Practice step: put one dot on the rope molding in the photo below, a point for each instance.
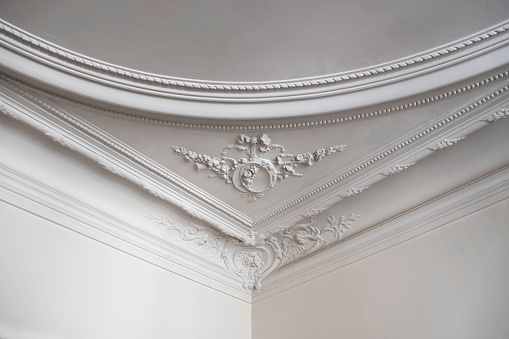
(54, 50)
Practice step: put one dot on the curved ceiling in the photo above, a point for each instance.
(251, 41)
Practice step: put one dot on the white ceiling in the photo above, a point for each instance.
(394, 82)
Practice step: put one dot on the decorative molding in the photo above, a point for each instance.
(203, 241)
(421, 219)
(300, 239)
(285, 126)
(445, 143)
(64, 211)
(124, 150)
(501, 114)
(438, 125)
(6, 111)
(58, 138)
(152, 190)
(254, 260)
(30, 95)
(108, 165)
(352, 191)
(93, 65)
(396, 169)
(254, 175)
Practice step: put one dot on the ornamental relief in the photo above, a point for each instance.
(253, 260)
(253, 175)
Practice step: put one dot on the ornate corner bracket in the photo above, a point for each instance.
(254, 175)
(256, 258)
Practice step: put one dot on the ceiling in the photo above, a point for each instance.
(314, 105)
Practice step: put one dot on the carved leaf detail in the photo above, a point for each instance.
(444, 144)
(352, 191)
(6, 111)
(108, 166)
(58, 138)
(396, 169)
(501, 114)
(304, 238)
(199, 240)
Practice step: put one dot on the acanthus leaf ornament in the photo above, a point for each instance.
(396, 169)
(6, 111)
(445, 144)
(500, 114)
(256, 256)
(352, 191)
(254, 175)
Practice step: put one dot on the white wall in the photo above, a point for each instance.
(55, 283)
(451, 282)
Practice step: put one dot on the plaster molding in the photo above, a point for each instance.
(445, 144)
(477, 194)
(494, 117)
(254, 175)
(67, 212)
(5, 110)
(440, 125)
(238, 126)
(55, 136)
(99, 155)
(199, 240)
(78, 63)
(211, 217)
(353, 191)
(108, 165)
(254, 261)
(396, 169)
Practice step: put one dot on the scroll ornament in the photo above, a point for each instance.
(254, 260)
(254, 175)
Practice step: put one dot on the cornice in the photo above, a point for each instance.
(81, 75)
(286, 125)
(66, 212)
(464, 200)
(367, 167)
(102, 156)
(416, 154)
(30, 40)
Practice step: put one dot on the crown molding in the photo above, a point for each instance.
(286, 125)
(284, 258)
(66, 212)
(452, 125)
(80, 75)
(111, 154)
(460, 202)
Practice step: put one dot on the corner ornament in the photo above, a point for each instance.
(254, 175)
